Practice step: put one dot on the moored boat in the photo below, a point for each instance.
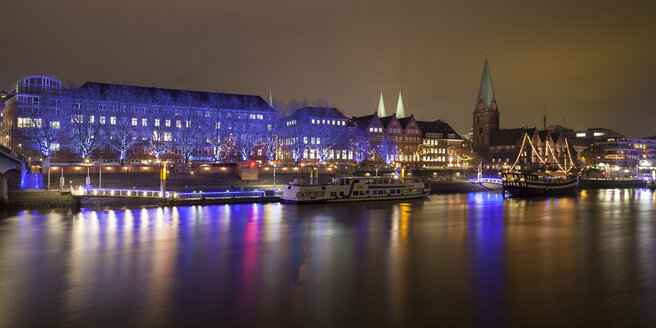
(350, 189)
(553, 178)
(540, 183)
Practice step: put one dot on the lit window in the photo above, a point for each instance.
(102, 120)
(134, 121)
(157, 122)
(92, 119)
(112, 120)
(167, 123)
(178, 124)
(144, 122)
(55, 125)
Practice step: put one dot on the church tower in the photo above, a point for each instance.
(486, 114)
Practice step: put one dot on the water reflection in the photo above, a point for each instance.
(473, 259)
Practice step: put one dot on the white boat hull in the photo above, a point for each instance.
(354, 190)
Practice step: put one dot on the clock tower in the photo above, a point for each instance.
(486, 113)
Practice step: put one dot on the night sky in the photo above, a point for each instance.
(592, 63)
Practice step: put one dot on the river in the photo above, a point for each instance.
(449, 260)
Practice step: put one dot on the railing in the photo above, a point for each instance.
(95, 192)
(488, 180)
(199, 195)
(219, 194)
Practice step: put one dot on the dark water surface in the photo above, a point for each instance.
(450, 260)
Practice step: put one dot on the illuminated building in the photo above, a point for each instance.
(165, 114)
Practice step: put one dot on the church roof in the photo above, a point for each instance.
(510, 137)
(485, 90)
(381, 105)
(400, 109)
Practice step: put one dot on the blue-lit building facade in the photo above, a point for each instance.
(136, 125)
(151, 123)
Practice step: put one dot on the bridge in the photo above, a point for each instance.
(13, 168)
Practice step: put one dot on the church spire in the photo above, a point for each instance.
(486, 91)
(270, 99)
(381, 105)
(400, 111)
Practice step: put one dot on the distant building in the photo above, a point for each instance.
(442, 147)
(316, 135)
(626, 156)
(500, 148)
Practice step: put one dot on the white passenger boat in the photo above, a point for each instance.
(354, 189)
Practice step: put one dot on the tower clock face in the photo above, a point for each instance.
(480, 105)
(494, 105)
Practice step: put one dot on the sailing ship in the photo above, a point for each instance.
(549, 179)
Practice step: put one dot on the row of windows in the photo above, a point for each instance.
(435, 159)
(28, 122)
(328, 122)
(435, 151)
(332, 154)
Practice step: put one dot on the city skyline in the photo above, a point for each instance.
(589, 65)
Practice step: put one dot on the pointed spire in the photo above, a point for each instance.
(270, 99)
(381, 105)
(400, 111)
(486, 91)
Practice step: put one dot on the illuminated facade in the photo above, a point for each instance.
(151, 123)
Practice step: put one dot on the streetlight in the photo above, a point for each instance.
(274, 175)
(86, 162)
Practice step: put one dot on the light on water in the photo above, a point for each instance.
(470, 259)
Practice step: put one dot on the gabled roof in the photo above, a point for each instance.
(485, 90)
(321, 112)
(404, 121)
(510, 137)
(386, 120)
(437, 126)
(363, 120)
(229, 100)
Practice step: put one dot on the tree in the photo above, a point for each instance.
(247, 132)
(272, 135)
(86, 132)
(592, 156)
(190, 136)
(45, 134)
(388, 150)
(216, 129)
(295, 132)
(159, 134)
(123, 135)
(361, 147)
